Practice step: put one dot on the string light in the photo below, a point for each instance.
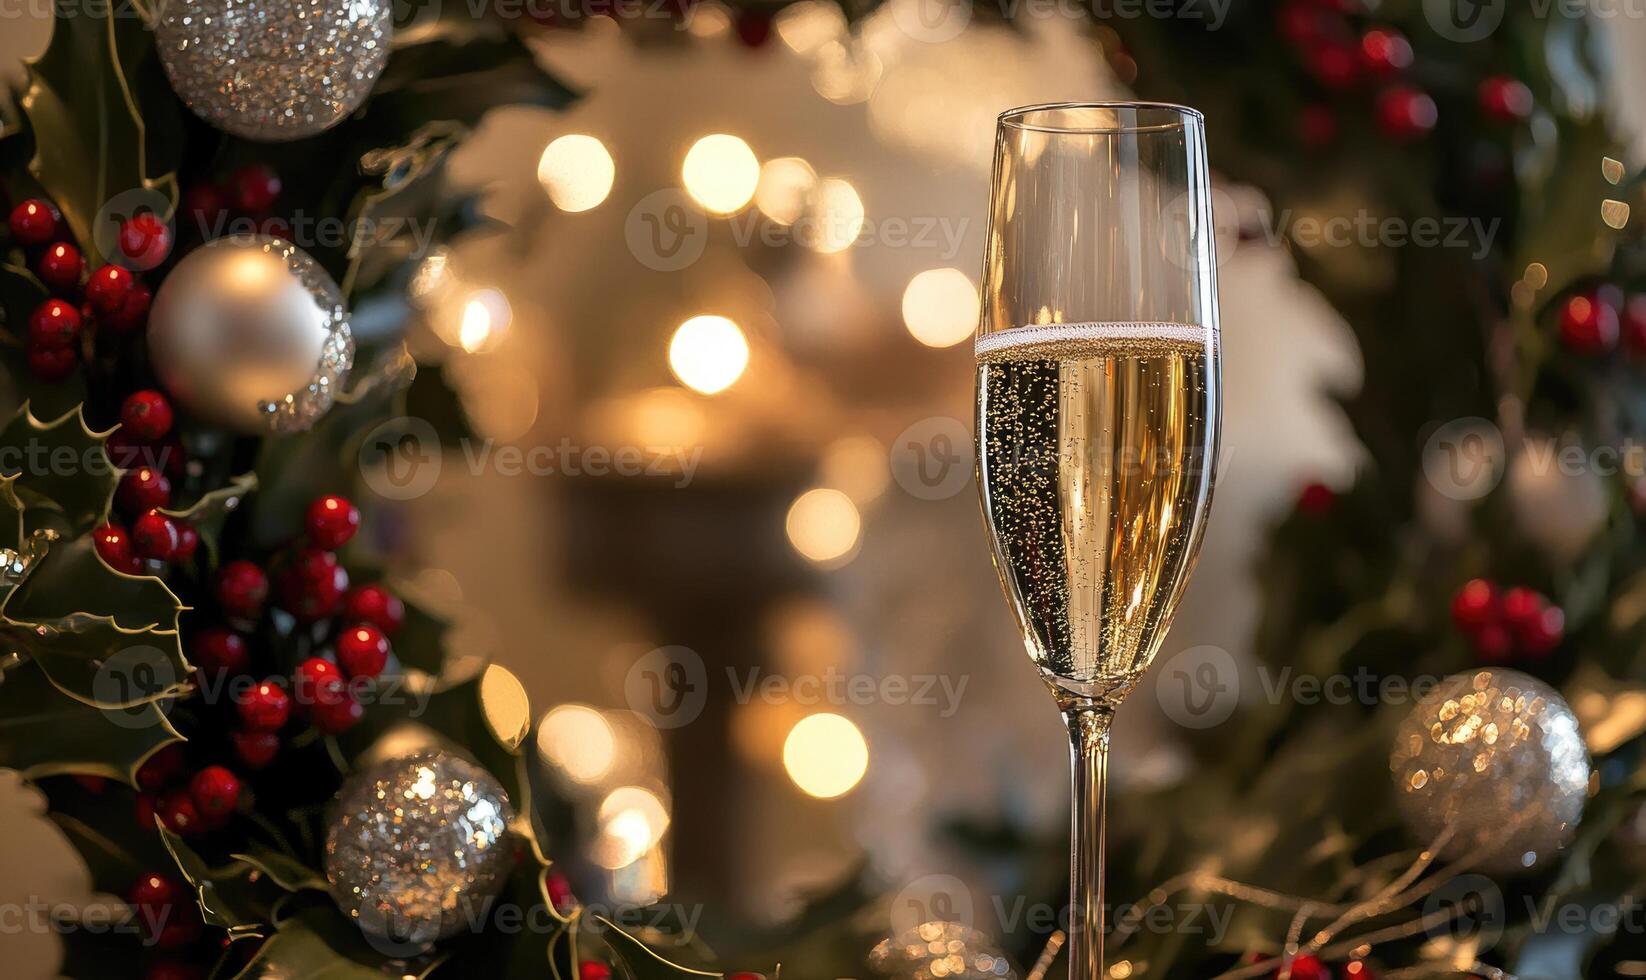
(708, 354)
(577, 172)
(486, 317)
(825, 755)
(721, 173)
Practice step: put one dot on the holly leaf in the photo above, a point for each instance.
(236, 896)
(207, 514)
(638, 959)
(319, 942)
(45, 732)
(122, 653)
(284, 870)
(393, 222)
(85, 110)
(455, 69)
(58, 466)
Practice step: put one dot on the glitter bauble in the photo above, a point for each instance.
(250, 333)
(1493, 761)
(940, 949)
(418, 846)
(273, 69)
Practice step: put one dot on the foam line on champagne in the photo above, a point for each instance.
(992, 345)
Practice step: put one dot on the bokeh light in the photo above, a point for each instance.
(785, 189)
(839, 215)
(487, 316)
(826, 755)
(577, 172)
(823, 525)
(632, 821)
(721, 173)
(858, 466)
(708, 354)
(940, 307)
(579, 741)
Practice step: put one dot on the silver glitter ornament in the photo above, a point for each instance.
(273, 70)
(940, 949)
(417, 847)
(1494, 759)
(251, 334)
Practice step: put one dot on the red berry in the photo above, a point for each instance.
(133, 313)
(1632, 323)
(188, 542)
(255, 749)
(1542, 632)
(242, 588)
(1302, 23)
(1521, 606)
(1358, 970)
(204, 203)
(362, 650)
(216, 792)
(337, 717)
(593, 970)
(254, 189)
(1316, 499)
(1504, 99)
(124, 449)
(143, 489)
(559, 889)
(159, 769)
(745, 975)
(1306, 967)
(1385, 52)
(754, 27)
(332, 521)
(147, 414)
(54, 323)
(1316, 126)
(143, 811)
(61, 267)
(34, 223)
(114, 546)
(153, 890)
(1335, 64)
(52, 363)
(1475, 605)
(1587, 325)
(375, 605)
(219, 649)
(312, 586)
(176, 810)
(145, 240)
(1405, 113)
(108, 288)
(1493, 643)
(266, 707)
(154, 535)
(319, 681)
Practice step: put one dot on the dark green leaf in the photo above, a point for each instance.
(44, 731)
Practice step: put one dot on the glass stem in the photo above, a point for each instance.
(1089, 757)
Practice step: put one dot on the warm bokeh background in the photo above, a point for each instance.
(559, 334)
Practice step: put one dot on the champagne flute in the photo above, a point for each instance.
(1098, 396)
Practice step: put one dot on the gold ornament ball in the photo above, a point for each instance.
(273, 69)
(417, 847)
(940, 949)
(1493, 759)
(250, 333)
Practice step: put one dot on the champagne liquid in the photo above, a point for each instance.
(1097, 446)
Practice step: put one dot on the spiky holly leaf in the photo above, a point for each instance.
(44, 731)
(317, 941)
(59, 470)
(237, 896)
(85, 105)
(124, 651)
(393, 221)
(207, 514)
(638, 960)
(284, 870)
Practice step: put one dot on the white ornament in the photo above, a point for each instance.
(1558, 499)
(273, 70)
(250, 333)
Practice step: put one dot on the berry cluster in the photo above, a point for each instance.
(1596, 321)
(250, 194)
(187, 804)
(1519, 623)
(311, 585)
(1307, 967)
(111, 296)
(1342, 56)
(150, 457)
